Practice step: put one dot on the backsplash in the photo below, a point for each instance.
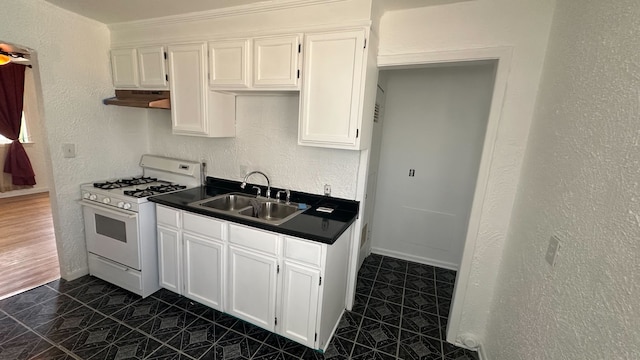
(266, 140)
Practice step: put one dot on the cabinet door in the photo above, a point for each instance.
(330, 98)
(275, 62)
(203, 270)
(124, 68)
(252, 287)
(170, 259)
(187, 74)
(153, 71)
(229, 64)
(299, 301)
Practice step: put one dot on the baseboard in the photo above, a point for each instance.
(481, 354)
(418, 259)
(76, 274)
(21, 192)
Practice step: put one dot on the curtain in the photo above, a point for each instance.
(11, 100)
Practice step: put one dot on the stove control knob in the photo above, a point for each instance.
(121, 204)
(86, 195)
(126, 206)
(92, 197)
(106, 200)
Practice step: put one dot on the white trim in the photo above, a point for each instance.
(503, 55)
(264, 6)
(418, 259)
(482, 355)
(21, 192)
(76, 274)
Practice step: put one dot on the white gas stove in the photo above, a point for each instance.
(120, 226)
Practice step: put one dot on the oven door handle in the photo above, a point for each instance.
(120, 212)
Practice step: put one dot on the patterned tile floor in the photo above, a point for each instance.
(400, 312)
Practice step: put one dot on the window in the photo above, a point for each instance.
(23, 137)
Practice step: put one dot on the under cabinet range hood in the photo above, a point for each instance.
(153, 99)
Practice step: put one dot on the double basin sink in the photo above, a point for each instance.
(246, 206)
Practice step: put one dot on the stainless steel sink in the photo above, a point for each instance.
(246, 206)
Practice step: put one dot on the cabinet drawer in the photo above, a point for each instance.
(254, 239)
(303, 251)
(203, 225)
(167, 216)
(114, 273)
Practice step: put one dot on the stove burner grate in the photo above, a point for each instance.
(154, 190)
(139, 193)
(138, 180)
(166, 188)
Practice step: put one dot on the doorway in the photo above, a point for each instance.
(432, 137)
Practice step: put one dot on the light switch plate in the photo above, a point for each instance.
(552, 250)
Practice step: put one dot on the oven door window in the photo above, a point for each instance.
(111, 228)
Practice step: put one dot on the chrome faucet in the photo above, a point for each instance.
(244, 182)
(287, 192)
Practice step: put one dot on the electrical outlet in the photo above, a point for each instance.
(69, 150)
(327, 190)
(552, 250)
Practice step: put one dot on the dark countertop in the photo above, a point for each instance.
(310, 224)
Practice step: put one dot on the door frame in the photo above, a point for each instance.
(503, 57)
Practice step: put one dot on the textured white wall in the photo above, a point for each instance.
(266, 140)
(73, 66)
(579, 181)
(524, 26)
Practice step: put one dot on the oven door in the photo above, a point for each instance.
(112, 233)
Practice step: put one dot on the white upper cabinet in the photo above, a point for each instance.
(333, 89)
(265, 63)
(229, 64)
(124, 68)
(152, 67)
(195, 110)
(275, 62)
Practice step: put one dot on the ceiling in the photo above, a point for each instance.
(116, 11)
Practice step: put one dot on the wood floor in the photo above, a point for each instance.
(28, 255)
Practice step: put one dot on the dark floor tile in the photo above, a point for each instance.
(421, 322)
(452, 352)
(444, 306)
(444, 290)
(167, 296)
(141, 311)
(167, 353)
(443, 327)
(114, 301)
(417, 347)
(338, 348)
(168, 323)
(255, 332)
(46, 311)
(364, 353)
(390, 277)
(286, 345)
(196, 339)
(27, 299)
(373, 260)
(194, 307)
(62, 285)
(266, 352)
(420, 301)
(233, 346)
(364, 286)
(53, 353)
(383, 311)
(223, 319)
(349, 325)
(129, 348)
(420, 284)
(24, 346)
(360, 304)
(9, 329)
(92, 291)
(312, 354)
(95, 338)
(445, 275)
(379, 336)
(421, 270)
(387, 292)
(367, 272)
(69, 324)
(394, 264)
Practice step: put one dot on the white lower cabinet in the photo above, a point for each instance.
(291, 286)
(252, 287)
